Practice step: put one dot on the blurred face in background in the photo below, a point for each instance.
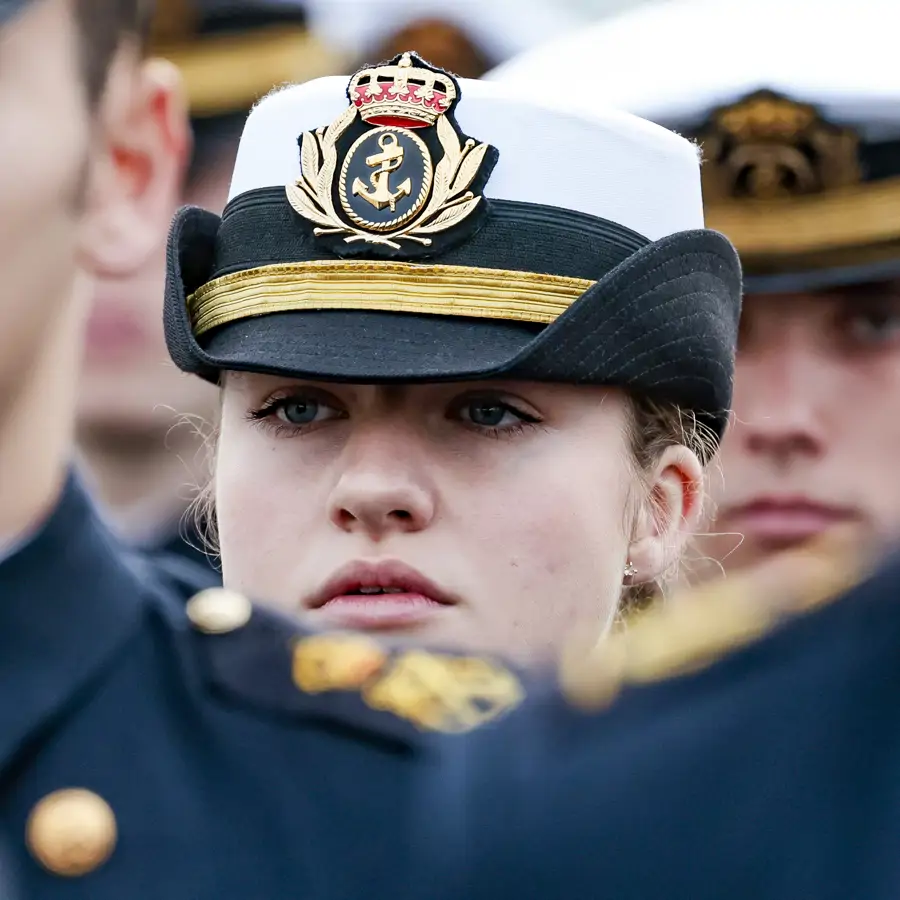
(816, 435)
(46, 155)
(131, 388)
(91, 138)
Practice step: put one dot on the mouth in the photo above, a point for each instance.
(112, 333)
(785, 521)
(380, 595)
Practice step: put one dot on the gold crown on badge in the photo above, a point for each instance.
(403, 94)
(393, 172)
(767, 146)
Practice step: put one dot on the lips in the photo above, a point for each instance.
(381, 595)
(785, 520)
(112, 332)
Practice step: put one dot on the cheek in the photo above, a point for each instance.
(39, 224)
(267, 499)
(43, 156)
(564, 531)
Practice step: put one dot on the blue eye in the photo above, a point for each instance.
(492, 414)
(487, 413)
(298, 411)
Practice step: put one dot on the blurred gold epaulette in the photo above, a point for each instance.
(691, 631)
(438, 692)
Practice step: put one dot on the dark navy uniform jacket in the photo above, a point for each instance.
(224, 779)
(774, 774)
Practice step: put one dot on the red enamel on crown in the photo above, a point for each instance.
(404, 94)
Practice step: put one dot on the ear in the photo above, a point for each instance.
(136, 182)
(669, 516)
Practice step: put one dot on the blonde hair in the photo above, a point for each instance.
(652, 427)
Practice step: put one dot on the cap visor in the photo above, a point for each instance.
(370, 346)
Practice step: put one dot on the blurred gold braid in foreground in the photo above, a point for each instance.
(697, 627)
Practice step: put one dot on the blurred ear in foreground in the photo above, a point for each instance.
(137, 181)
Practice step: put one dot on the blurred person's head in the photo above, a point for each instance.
(88, 136)
(229, 55)
(451, 45)
(466, 37)
(799, 124)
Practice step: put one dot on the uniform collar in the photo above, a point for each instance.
(68, 598)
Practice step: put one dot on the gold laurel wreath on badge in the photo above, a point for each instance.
(450, 203)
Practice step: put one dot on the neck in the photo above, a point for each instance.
(145, 480)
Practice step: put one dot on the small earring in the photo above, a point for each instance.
(630, 570)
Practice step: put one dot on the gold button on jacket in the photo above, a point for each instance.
(71, 832)
(218, 611)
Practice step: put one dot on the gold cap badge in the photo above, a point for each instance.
(393, 175)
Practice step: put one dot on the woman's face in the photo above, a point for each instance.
(493, 515)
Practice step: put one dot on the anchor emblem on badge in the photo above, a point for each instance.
(394, 171)
(389, 160)
(396, 154)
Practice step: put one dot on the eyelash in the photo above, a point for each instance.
(266, 416)
(524, 420)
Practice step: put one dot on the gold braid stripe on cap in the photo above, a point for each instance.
(855, 216)
(387, 286)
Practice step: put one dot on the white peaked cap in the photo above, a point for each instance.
(600, 162)
(675, 61)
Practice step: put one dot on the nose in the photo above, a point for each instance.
(780, 405)
(382, 490)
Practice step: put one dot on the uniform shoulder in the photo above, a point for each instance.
(269, 662)
(699, 628)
